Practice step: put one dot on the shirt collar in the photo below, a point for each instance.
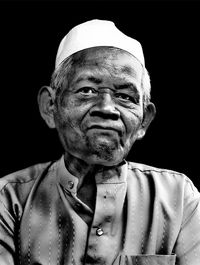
(67, 180)
(116, 174)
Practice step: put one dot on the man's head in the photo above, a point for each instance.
(99, 102)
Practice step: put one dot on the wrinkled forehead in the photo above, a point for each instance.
(113, 60)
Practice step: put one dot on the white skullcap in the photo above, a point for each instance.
(95, 33)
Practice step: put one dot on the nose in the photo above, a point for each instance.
(105, 108)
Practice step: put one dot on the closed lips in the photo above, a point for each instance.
(113, 128)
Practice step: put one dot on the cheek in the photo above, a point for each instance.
(69, 118)
(66, 113)
(67, 125)
(132, 127)
(67, 121)
(132, 121)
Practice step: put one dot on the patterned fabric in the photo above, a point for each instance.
(143, 215)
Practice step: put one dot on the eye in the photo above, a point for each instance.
(127, 99)
(124, 97)
(86, 91)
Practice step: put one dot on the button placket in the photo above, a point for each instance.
(78, 204)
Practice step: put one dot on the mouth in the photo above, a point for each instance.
(106, 128)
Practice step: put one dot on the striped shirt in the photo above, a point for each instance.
(143, 215)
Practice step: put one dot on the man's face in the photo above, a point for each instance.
(99, 112)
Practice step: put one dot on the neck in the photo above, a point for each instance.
(78, 167)
(82, 170)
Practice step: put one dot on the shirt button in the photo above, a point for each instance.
(70, 184)
(78, 205)
(99, 232)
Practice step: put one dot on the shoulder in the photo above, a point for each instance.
(151, 170)
(21, 179)
(16, 187)
(167, 187)
(132, 166)
(160, 177)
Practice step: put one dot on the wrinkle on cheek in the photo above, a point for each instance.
(132, 121)
(66, 124)
(70, 135)
(137, 116)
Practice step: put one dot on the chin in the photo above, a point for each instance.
(105, 158)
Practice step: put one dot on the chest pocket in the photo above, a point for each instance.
(146, 260)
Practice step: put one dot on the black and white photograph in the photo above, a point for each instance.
(99, 132)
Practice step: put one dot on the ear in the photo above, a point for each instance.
(46, 97)
(149, 114)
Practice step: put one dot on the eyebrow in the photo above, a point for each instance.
(89, 78)
(126, 86)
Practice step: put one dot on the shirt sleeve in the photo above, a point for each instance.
(187, 247)
(8, 227)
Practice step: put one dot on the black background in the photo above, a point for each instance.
(169, 31)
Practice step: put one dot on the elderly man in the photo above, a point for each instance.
(92, 206)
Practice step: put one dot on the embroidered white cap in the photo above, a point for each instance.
(95, 33)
